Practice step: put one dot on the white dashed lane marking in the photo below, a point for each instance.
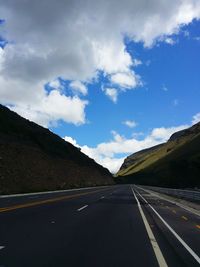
(82, 208)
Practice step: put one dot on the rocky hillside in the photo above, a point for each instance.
(175, 163)
(32, 158)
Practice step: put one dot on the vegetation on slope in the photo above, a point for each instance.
(32, 158)
(174, 164)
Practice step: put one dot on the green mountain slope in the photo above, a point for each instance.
(175, 163)
(34, 159)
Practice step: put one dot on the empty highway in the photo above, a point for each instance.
(115, 226)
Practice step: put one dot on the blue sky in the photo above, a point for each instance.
(111, 91)
(170, 94)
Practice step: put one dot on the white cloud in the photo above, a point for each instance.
(31, 101)
(136, 62)
(71, 140)
(137, 134)
(163, 133)
(126, 79)
(186, 33)
(55, 84)
(113, 164)
(106, 55)
(170, 41)
(129, 123)
(78, 87)
(52, 108)
(74, 40)
(107, 153)
(122, 81)
(117, 137)
(1, 58)
(196, 118)
(112, 93)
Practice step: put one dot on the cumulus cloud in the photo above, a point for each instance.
(106, 55)
(75, 39)
(53, 107)
(112, 93)
(170, 41)
(126, 79)
(129, 123)
(32, 101)
(164, 133)
(71, 140)
(78, 87)
(55, 84)
(136, 62)
(122, 81)
(109, 154)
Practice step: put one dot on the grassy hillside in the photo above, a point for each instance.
(175, 163)
(32, 159)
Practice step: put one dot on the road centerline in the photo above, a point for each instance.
(48, 201)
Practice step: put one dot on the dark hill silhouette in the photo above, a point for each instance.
(175, 163)
(32, 158)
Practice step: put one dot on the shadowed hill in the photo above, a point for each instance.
(175, 163)
(32, 158)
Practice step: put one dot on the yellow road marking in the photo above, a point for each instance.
(46, 201)
(198, 226)
(192, 253)
(184, 218)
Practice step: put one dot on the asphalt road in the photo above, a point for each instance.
(109, 226)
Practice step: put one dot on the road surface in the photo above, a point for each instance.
(115, 226)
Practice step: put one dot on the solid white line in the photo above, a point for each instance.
(52, 192)
(1, 247)
(155, 246)
(170, 201)
(82, 208)
(194, 255)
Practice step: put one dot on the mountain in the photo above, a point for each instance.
(175, 163)
(32, 158)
